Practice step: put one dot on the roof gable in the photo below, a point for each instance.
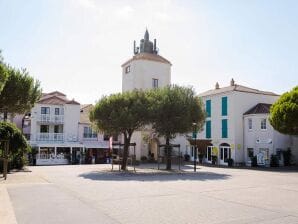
(260, 108)
(149, 57)
(237, 88)
(52, 100)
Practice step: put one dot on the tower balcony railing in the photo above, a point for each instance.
(47, 118)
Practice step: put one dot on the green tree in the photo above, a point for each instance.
(19, 93)
(174, 110)
(18, 144)
(3, 73)
(284, 113)
(121, 113)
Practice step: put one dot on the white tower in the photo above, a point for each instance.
(146, 69)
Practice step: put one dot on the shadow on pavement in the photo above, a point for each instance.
(152, 176)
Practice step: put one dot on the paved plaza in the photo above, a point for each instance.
(93, 194)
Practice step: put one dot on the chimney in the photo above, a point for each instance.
(232, 83)
(216, 85)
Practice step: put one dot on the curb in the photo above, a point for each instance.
(7, 215)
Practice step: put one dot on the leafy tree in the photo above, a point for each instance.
(3, 73)
(18, 144)
(19, 93)
(121, 113)
(174, 110)
(284, 113)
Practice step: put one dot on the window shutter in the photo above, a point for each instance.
(208, 108)
(224, 106)
(208, 129)
(224, 130)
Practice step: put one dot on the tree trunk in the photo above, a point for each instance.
(125, 152)
(169, 153)
(5, 115)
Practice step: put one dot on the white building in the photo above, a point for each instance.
(145, 70)
(61, 132)
(96, 145)
(260, 139)
(54, 129)
(229, 109)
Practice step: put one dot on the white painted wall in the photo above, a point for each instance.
(71, 121)
(238, 104)
(257, 138)
(142, 72)
(70, 125)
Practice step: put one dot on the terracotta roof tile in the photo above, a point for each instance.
(56, 100)
(147, 56)
(238, 88)
(72, 102)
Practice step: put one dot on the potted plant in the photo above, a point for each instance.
(274, 161)
(214, 159)
(201, 156)
(230, 162)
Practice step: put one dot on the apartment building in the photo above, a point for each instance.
(237, 125)
(54, 129)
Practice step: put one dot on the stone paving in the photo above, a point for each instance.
(95, 194)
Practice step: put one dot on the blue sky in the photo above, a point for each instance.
(77, 47)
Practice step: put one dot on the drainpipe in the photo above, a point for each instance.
(243, 141)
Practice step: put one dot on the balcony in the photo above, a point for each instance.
(90, 137)
(47, 118)
(50, 137)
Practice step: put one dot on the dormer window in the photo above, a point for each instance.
(127, 69)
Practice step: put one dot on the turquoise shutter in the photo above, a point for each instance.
(208, 129)
(224, 106)
(208, 108)
(224, 130)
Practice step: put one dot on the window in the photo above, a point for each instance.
(263, 124)
(250, 152)
(127, 69)
(224, 128)
(155, 83)
(224, 106)
(208, 129)
(89, 133)
(44, 128)
(58, 129)
(106, 137)
(45, 110)
(249, 124)
(57, 111)
(208, 108)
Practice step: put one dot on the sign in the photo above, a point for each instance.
(214, 151)
(260, 159)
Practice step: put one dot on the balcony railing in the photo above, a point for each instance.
(47, 118)
(50, 137)
(90, 136)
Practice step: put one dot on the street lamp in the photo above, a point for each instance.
(194, 136)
